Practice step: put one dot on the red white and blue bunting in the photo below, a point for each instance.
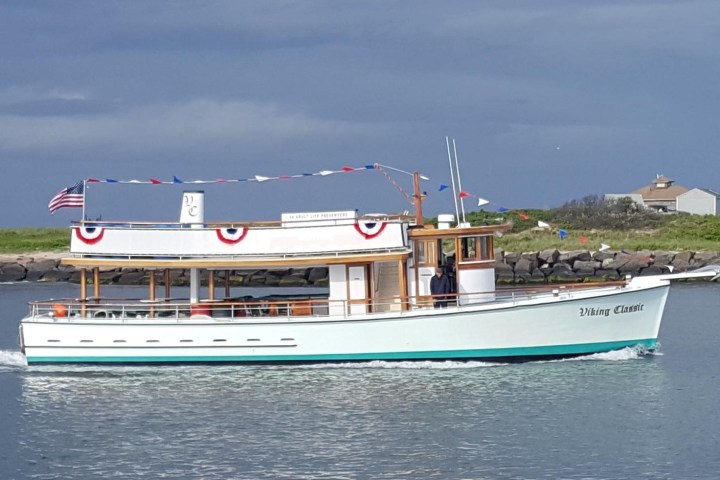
(370, 229)
(256, 178)
(89, 235)
(80, 202)
(231, 236)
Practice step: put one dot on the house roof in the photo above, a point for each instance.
(662, 179)
(707, 190)
(666, 192)
(654, 193)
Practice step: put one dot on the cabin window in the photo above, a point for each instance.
(468, 246)
(426, 253)
(486, 251)
(420, 253)
(474, 249)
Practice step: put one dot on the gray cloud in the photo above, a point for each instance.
(197, 89)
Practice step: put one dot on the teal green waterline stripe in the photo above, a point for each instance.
(577, 349)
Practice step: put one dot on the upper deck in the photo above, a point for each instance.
(298, 238)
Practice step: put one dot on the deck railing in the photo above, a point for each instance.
(290, 308)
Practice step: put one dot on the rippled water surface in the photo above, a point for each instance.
(616, 415)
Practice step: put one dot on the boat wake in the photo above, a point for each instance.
(624, 354)
(628, 353)
(12, 358)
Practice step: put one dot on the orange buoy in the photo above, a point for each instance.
(60, 310)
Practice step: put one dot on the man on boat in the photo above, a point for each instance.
(439, 288)
(450, 272)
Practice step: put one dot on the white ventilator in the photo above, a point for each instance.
(192, 212)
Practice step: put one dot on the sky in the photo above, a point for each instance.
(547, 101)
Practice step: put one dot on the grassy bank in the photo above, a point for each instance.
(629, 230)
(28, 240)
(652, 240)
(633, 231)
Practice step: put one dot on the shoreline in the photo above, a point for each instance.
(540, 267)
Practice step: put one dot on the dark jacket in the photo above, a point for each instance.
(439, 285)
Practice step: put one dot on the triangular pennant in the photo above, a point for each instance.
(482, 201)
(542, 224)
(92, 180)
(604, 247)
(155, 181)
(442, 187)
(463, 195)
(583, 239)
(176, 180)
(524, 216)
(347, 169)
(562, 233)
(261, 179)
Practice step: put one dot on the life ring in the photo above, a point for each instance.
(60, 310)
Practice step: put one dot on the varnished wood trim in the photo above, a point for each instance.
(231, 263)
(83, 291)
(475, 265)
(415, 233)
(96, 282)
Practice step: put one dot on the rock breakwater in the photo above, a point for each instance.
(47, 268)
(555, 266)
(547, 266)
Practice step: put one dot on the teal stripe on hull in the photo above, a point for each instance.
(492, 353)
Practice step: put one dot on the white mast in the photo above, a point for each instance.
(452, 177)
(457, 170)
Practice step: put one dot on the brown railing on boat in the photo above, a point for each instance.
(238, 309)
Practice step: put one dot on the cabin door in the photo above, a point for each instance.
(358, 289)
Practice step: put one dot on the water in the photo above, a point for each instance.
(618, 415)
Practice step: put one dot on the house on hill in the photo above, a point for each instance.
(661, 195)
(699, 201)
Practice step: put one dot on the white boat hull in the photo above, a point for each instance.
(565, 324)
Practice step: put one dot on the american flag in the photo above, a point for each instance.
(71, 197)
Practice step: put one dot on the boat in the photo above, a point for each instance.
(377, 304)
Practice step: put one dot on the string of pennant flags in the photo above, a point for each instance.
(73, 196)
(256, 178)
